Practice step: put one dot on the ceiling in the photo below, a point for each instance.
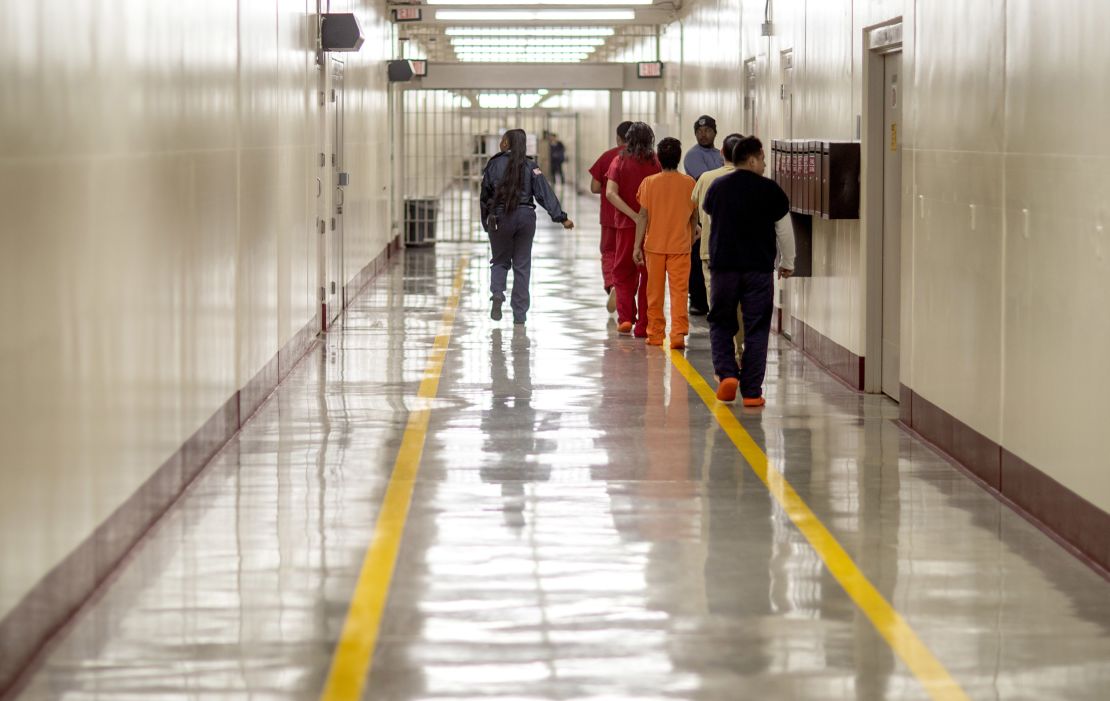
(587, 31)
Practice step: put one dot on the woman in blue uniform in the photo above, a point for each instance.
(510, 183)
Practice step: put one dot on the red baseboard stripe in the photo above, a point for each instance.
(28, 628)
(1077, 524)
(838, 360)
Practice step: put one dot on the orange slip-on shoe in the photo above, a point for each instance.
(754, 401)
(654, 341)
(726, 391)
(678, 343)
(625, 327)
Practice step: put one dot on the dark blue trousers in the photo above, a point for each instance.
(754, 294)
(511, 246)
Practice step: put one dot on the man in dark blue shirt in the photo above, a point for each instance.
(744, 207)
(699, 159)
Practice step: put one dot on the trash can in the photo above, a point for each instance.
(420, 222)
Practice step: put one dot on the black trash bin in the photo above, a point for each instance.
(420, 222)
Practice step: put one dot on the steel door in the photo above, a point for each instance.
(892, 224)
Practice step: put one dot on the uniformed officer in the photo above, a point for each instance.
(510, 181)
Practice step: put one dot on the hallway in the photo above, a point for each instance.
(581, 526)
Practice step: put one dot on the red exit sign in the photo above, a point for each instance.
(649, 69)
(407, 14)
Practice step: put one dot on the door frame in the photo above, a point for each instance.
(337, 273)
(787, 79)
(878, 41)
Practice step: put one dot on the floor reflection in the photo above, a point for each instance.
(511, 426)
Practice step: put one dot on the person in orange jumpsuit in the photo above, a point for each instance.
(664, 237)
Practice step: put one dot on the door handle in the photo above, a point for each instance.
(319, 187)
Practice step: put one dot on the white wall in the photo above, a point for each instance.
(1004, 323)
(157, 186)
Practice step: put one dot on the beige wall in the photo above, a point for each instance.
(1004, 321)
(157, 204)
(597, 133)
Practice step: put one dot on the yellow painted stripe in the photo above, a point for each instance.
(350, 666)
(890, 624)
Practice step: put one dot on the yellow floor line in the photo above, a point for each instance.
(889, 623)
(350, 666)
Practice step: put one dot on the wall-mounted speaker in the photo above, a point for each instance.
(400, 71)
(341, 32)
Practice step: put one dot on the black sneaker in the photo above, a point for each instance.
(518, 320)
(495, 310)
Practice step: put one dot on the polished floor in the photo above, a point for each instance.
(581, 527)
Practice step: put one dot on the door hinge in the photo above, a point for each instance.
(322, 161)
(323, 294)
(333, 94)
(321, 98)
(320, 225)
(333, 286)
(333, 160)
(782, 91)
(333, 223)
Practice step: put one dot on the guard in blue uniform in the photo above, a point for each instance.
(510, 183)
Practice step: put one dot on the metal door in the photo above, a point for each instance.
(448, 136)
(751, 98)
(336, 269)
(786, 93)
(892, 224)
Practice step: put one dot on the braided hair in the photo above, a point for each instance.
(507, 193)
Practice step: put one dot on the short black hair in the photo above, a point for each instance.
(622, 130)
(669, 151)
(729, 144)
(746, 148)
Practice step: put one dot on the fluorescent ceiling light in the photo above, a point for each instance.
(578, 56)
(530, 31)
(527, 41)
(524, 49)
(527, 3)
(523, 58)
(535, 15)
(506, 55)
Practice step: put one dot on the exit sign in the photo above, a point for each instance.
(649, 69)
(407, 14)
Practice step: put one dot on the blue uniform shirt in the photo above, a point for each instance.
(699, 159)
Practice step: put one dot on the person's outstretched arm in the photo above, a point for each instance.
(547, 198)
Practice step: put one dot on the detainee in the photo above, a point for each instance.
(704, 221)
(510, 183)
(744, 207)
(625, 174)
(702, 157)
(664, 235)
(608, 214)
